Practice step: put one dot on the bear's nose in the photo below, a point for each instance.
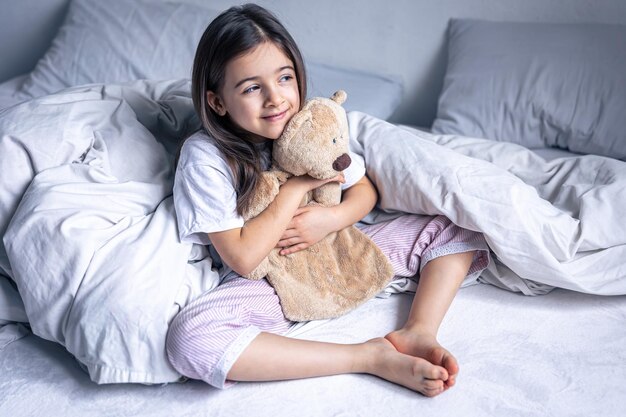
(342, 162)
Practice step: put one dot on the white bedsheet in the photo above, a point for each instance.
(93, 246)
(558, 355)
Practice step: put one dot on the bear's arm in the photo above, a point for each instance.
(265, 191)
(328, 194)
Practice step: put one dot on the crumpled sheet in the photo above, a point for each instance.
(93, 244)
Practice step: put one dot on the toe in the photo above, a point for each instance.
(436, 373)
(431, 392)
(433, 384)
(450, 381)
(451, 365)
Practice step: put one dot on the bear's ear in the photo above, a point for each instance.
(339, 97)
(296, 123)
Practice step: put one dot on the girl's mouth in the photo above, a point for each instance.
(275, 117)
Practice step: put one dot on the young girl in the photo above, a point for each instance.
(248, 81)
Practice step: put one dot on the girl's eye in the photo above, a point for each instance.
(251, 89)
(286, 78)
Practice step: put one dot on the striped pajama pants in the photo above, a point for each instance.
(208, 335)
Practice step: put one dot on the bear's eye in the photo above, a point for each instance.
(334, 140)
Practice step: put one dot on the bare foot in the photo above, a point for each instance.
(409, 371)
(425, 345)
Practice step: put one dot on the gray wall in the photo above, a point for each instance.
(26, 30)
(402, 37)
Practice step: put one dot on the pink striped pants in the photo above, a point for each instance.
(208, 335)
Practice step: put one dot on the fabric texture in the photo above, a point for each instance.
(550, 223)
(118, 41)
(126, 40)
(428, 238)
(9, 90)
(536, 84)
(108, 240)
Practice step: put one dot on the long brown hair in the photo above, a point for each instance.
(233, 33)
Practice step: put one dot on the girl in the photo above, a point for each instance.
(248, 81)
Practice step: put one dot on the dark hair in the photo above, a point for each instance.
(233, 33)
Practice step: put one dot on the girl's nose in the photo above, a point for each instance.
(273, 98)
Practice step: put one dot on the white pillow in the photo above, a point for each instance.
(122, 40)
(537, 84)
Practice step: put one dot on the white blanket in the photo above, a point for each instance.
(550, 224)
(93, 244)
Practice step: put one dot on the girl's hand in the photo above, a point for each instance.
(309, 225)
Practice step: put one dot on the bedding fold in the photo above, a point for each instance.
(549, 224)
(92, 243)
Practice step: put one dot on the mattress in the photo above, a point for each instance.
(559, 354)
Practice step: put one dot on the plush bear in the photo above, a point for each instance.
(345, 268)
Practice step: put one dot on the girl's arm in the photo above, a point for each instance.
(356, 202)
(310, 224)
(244, 248)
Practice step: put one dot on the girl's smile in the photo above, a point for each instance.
(275, 117)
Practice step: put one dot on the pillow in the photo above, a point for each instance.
(368, 93)
(536, 84)
(124, 40)
(8, 89)
(119, 40)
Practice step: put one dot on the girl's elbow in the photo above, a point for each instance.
(243, 266)
(241, 258)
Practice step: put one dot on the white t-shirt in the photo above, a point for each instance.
(204, 191)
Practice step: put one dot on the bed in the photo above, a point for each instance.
(527, 146)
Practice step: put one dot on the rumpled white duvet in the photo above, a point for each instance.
(90, 238)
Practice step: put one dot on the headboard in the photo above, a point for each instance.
(395, 37)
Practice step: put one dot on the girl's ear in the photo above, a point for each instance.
(215, 102)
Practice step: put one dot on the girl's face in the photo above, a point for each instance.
(260, 91)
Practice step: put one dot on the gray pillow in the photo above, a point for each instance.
(537, 84)
(369, 93)
(122, 40)
(118, 41)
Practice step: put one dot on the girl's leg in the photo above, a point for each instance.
(273, 357)
(443, 254)
(209, 334)
(438, 284)
(230, 333)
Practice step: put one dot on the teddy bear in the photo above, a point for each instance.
(344, 269)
